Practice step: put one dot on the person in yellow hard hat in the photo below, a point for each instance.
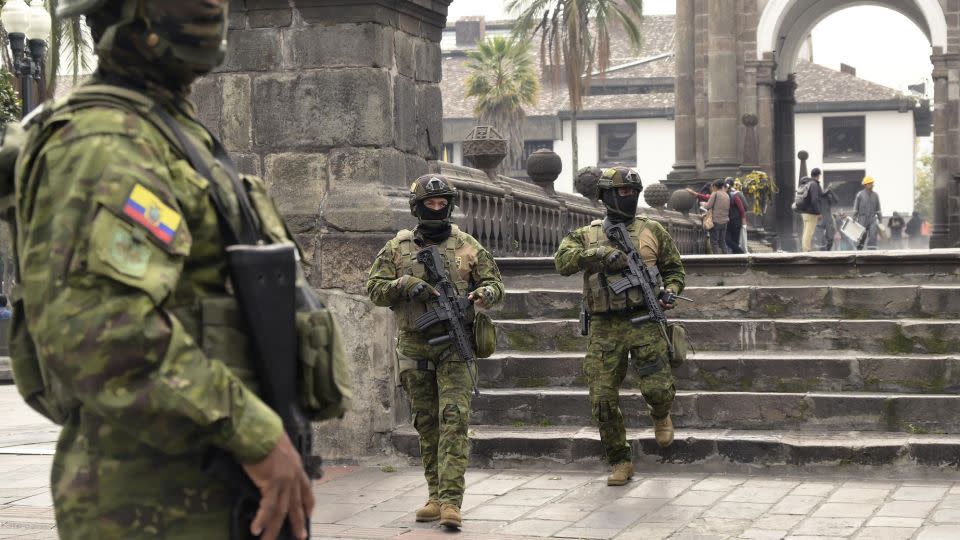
(866, 212)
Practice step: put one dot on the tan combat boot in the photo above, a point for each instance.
(450, 516)
(430, 511)
(663, 431)
(622, 473)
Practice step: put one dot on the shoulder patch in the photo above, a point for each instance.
(148, 210)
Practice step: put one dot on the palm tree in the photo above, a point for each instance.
(575, 41)
(504, 80)
(70, 37)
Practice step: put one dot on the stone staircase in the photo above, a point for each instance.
(838, 359)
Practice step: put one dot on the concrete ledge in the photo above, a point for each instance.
(6, 374)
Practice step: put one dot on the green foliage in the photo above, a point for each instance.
(9, 100)
(923, 187)
(71, 47)
(504, 80)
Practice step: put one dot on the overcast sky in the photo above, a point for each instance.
(883, 45)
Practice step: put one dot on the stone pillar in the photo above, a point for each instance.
(336, 103)
(765, 115)
(785, 168)
(685, 122)
(944, 158)
(722, 99)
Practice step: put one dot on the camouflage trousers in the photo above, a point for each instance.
(613, 340)
(440, 406)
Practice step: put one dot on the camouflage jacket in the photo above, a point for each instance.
(469, 265)
(654, 244)
(123, 278)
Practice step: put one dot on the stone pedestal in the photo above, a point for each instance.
(785, 169)
(946, 136)
(336, 103)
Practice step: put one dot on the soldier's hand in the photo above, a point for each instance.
(595, 255)
(482, 297)
(285, 492)
(667, 299)
(415, 288)
(615, 261)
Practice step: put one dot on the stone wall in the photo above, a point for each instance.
(336, 104)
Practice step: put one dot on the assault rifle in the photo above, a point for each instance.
(265, 284)
(450, 308)
(638, 274)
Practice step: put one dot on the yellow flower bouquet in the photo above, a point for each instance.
(760, 188)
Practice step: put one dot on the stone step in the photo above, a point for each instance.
(906, 336)
(908, 413)
(773, 301)
(497, 446)
(827, 371)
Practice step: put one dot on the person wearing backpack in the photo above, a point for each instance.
(738, 216)
(807, 203)
(128, 331)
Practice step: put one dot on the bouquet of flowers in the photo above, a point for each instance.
(760, 188)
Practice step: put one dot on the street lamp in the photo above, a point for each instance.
(28, 29)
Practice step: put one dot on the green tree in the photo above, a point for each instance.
(923, 187)
(9, 100)
(71, 47)
(504, 80)
(575, 41)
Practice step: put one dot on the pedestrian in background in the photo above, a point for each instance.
(827, 220)
(896, 224)
(738, 216)
(866, 212)
(719, 205)
(807, 204)
(914, 230)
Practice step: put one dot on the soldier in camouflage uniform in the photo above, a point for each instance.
(613, 339)
(436, 380)
(125, 294)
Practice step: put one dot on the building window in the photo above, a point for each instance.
(530, 147)
(447, 153)
(844, 138)
(618, 145)
(844, 185)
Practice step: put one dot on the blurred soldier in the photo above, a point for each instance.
(613, 339)
(435, 378)
(126, 297)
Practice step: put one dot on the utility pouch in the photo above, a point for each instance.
(484, 336)
(36, 389)
(326, 390)
(584, 321)
(681, 344)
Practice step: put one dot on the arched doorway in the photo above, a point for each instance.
(782, 28)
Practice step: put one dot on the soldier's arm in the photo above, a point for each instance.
(487, 274)
(668, 261)
(568, 255)
(382, 284)
(95, 286)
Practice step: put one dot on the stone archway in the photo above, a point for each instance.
(781, 30)
(734, 60)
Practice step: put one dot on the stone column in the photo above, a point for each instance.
(765, 115)
(722, 99)
(336, 103)
(685, 122)
(785, 169)
(946, 210)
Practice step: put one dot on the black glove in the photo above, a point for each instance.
(616, 261)
(668, 297)
(415, 288)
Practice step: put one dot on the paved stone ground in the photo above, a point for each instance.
(366, 502)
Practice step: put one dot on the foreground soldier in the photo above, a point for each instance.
(435, 378)
(125, 294)
(613, 339)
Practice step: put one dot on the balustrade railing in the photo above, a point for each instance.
(512, 218)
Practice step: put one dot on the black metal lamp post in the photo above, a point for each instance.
(28, 29)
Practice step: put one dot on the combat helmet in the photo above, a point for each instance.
(429, 186)
(620, 209)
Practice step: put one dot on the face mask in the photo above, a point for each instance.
(620, 209)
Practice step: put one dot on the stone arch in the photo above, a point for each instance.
(784, 24)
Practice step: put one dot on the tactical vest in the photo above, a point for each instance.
(456, 254)
(596, 290)
(209, 314)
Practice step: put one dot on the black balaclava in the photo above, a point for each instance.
(620, 209)
(434, 224)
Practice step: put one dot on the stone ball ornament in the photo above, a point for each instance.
(682, 200)
(803, 155)
(656, 195)
(586, 183)
(484, 147)
(750, 120)
(543, 168)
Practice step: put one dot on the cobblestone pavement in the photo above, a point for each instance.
(373, 502)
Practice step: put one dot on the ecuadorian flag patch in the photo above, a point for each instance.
(148, 210)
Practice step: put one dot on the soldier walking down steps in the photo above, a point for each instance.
(126, 331)
(613, 338)
(435, 376)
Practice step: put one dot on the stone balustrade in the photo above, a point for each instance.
(513, 218)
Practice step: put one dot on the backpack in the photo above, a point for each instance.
(801, 201)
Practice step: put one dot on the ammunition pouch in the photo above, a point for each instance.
(650, 369)
(325, 377)
(484, 336)
(681, 344)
